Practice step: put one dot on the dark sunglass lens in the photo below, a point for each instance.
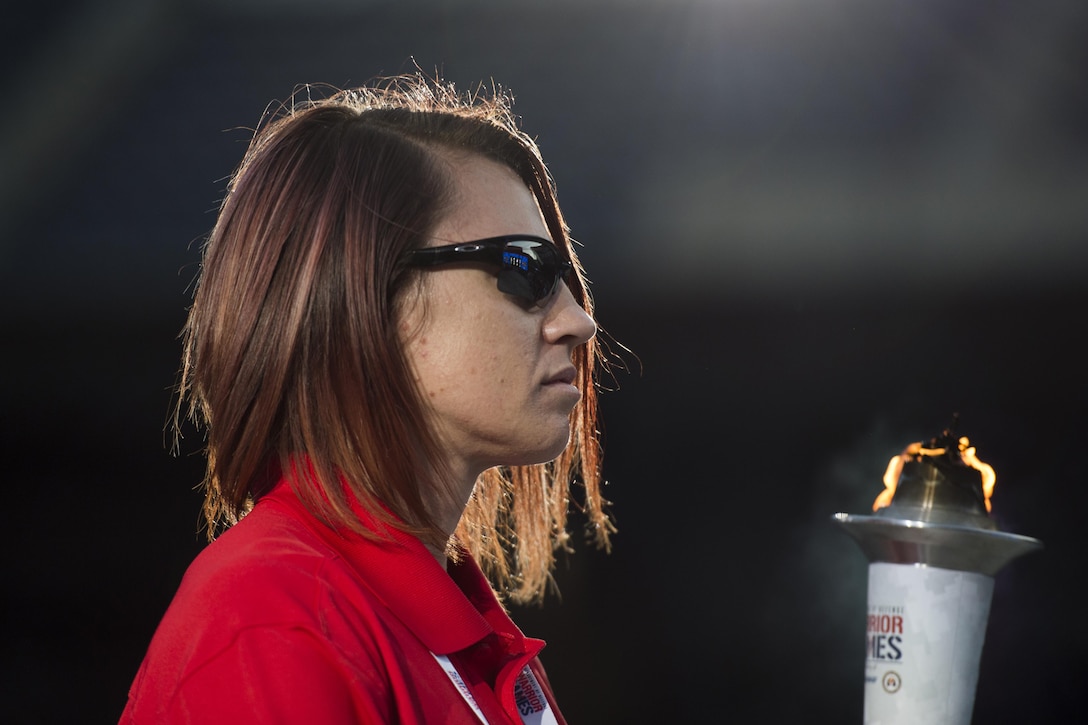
(531, 270)
(515, 282)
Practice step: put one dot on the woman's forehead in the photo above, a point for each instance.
(488, 199)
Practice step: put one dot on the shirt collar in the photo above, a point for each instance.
(448, 612)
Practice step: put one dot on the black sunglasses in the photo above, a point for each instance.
(529, 267)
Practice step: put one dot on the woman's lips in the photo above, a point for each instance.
(567, 376)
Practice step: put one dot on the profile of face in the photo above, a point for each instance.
(494, 371)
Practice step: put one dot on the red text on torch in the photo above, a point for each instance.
(884, 638)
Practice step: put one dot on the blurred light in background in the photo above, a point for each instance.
(754, 147)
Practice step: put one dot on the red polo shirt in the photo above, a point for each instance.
(283, 620)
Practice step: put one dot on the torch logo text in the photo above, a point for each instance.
(884, 637)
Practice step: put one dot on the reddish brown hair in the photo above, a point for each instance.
(291, 356)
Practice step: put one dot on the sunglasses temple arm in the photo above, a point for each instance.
(432, 257)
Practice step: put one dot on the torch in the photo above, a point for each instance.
(933, 551)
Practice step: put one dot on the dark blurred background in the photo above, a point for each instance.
(822, 227)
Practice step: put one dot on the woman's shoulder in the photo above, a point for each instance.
(268, 557)
(268, 573)
(260, 602)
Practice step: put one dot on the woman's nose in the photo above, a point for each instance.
(567, 319)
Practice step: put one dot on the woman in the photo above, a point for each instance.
(391, 348)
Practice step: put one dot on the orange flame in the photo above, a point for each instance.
(967, 455)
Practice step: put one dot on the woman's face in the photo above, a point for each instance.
(495, 372)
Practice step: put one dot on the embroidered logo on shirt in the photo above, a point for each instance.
(530, 700)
